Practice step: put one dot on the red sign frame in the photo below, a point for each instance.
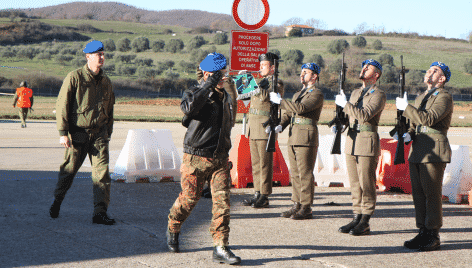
(250, 27)
(246, 48)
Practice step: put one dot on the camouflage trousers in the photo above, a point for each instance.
(195, 170)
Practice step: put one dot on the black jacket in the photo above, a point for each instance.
(208, 120)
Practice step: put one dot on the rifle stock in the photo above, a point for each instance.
(340, 120)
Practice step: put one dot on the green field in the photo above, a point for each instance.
(417, 53)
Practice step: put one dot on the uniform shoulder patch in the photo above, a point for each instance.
(436, 93)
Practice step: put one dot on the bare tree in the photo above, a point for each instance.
(319, 25)
(361, 28)
(292, 21)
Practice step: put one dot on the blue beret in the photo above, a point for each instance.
(372, 62)
(213, 62)
(311, 66)
(93, 46)
(444, 68)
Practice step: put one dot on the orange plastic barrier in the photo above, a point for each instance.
(390, 176)
(240, 156)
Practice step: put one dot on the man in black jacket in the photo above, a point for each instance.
(208, 116)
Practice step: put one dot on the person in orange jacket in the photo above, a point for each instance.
(24, 101)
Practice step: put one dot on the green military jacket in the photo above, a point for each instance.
(259, 111)
(85, 101)
(362, 137)
(302, 114)
(429, 128)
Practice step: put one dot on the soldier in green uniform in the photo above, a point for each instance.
(430, 119)
(302, 115)
(262, 161)
(363, 145)
(208, 116)
(84, 115)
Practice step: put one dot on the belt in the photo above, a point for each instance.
(363, 128)
(303, 121)
(259, 112)
(428, 130)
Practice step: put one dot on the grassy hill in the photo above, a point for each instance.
(417, 53)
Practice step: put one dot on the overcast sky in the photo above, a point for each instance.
(452, 19)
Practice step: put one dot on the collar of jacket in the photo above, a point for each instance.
(90, 75)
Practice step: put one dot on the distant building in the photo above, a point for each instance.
(306, 30)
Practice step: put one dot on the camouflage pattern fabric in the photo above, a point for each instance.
(194, 170)
(23, 115)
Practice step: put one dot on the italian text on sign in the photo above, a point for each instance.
(246, 48)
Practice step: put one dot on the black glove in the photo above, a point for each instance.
(215, 78)
(264, 84)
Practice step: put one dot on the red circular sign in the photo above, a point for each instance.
(250, 27)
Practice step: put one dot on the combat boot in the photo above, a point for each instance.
(363, 228)
(262, 202)
(223, 254)
(290, 212)
(417, 240)
(102, 218)
(431, 241)
(303, 214)
(55, 208)
(172, 241)
(250, 201)
(348, 227)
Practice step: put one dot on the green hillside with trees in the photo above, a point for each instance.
(155, 57)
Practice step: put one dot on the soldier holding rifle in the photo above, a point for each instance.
(363, 145)
(431, 118)
(259, 113)
(302, 115)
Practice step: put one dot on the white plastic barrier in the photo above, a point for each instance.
(330, 169)
(148, 154)
(457, 180)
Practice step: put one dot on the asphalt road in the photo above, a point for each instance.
(29, 160)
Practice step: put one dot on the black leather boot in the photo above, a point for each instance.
(250, 201)
(363, 228)
(431, 241)
(262, 202)
(417, 240)
(172, 241)
(291, 211)
(348, 227)
(55, 208)
(223, 254)
(303, 214)
(102, 218)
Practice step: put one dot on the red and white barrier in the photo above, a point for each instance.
(330, 169)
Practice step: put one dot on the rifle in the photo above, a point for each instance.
(402, 123)
(340, 118)
(274, 118)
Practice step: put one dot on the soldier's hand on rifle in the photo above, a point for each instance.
(267, 130)
(402, 103)
(278, 129)
(341, 99)
(406, 137)
(275, 97)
